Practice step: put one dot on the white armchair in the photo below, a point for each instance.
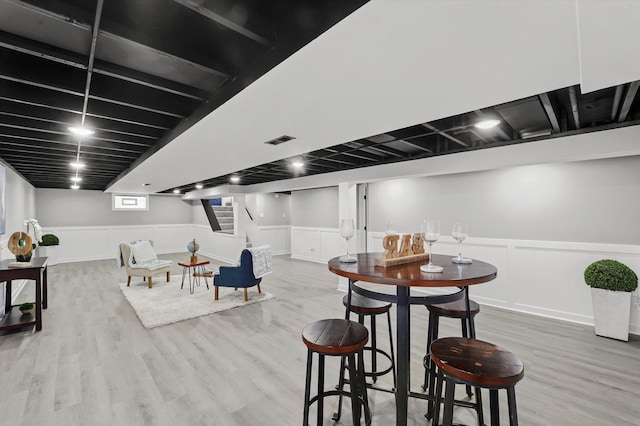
(140, 260)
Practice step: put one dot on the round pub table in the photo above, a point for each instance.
(404, 277)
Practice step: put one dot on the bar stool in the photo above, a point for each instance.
(337, 337)
(457, 310)
(364, 306)
(479, 364)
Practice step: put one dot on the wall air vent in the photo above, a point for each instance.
(281, 139)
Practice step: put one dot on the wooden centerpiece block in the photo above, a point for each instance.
(407, 252)
(401, 260)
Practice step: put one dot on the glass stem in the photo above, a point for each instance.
(430, 263)
(460, 250)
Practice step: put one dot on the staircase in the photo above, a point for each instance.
(224, 214)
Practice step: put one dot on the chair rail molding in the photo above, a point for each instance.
(543, 278)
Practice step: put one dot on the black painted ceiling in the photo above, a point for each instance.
(159, 66)
(138, 72)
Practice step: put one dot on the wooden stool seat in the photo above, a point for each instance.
(344, 338)
(476, 362)
(366, 306)
(456, 309)
(479, 364)
(335, 336)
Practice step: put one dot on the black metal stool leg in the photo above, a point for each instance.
(495, 411)
(340, 387)
(427, 359)
(438, 400)
(307, 389)
(479, 407)
(336, 416)
(393, 356)
(320, 401)
(513, 412)
(363, 388)
(374, 349)
(465, 333)
(447, 419)
(433, 318)
(353, 384)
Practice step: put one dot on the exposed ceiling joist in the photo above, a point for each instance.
(628, 100)
(39, 50)
(378, 146)
(444, 134)
(92, 55)
(573, 97)
(208, 9)
(616, 101)
(550, 111)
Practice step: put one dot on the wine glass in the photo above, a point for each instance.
(347, 229)
(431, 234)
(459, 233)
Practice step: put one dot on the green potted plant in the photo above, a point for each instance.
(26, 307)
(48, 248)
(49, 240)
(611, 285)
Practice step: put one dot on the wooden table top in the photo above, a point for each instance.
(409, 274)
(36, 262)
(191, 265)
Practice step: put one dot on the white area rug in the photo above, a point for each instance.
(166, 303)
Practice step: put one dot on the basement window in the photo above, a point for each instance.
(123, 202)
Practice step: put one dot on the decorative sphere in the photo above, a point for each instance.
(193, 247)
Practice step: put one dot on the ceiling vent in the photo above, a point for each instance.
(281, 139)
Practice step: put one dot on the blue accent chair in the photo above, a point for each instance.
(237, 276)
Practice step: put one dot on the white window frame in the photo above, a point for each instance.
(119, 200)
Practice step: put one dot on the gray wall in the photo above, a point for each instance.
(65, 207)
(315, 207)
(271, 209)
(589, 201)
(198, 215)
(20, 204)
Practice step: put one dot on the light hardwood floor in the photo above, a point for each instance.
(94, 364)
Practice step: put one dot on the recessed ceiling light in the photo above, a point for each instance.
(81, 131)
(176, 191)
(235, 179)
(298, 164)
(76, 165)
(76, 179)
(487, 124)
(199, 186)
(146, 184)
(74, 186)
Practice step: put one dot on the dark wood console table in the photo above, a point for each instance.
(37, 271)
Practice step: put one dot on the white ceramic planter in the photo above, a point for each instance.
(52, 252)
(611, 311)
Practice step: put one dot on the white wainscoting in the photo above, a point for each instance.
(318, 244)
(277, 236)
(538, 277)
(82, 243)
